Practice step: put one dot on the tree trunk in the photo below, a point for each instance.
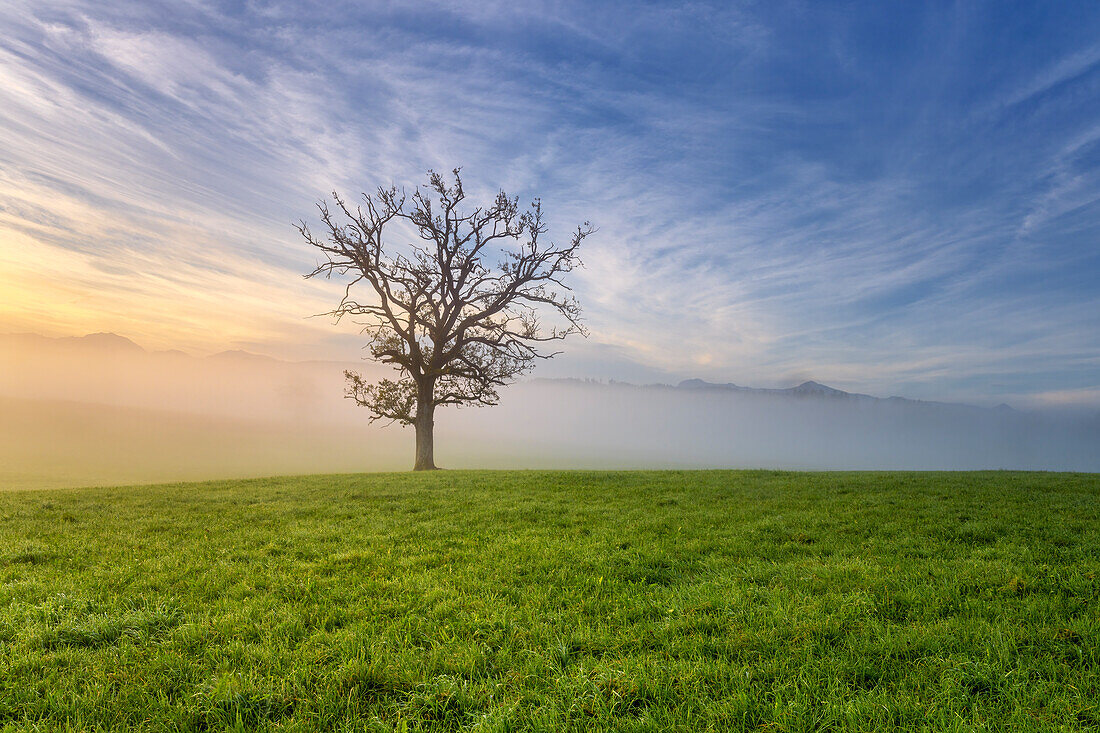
(425, 434)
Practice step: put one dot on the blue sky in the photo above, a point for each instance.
(895, 198)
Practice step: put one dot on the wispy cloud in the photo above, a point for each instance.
(887, 201)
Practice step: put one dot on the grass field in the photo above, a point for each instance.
(556, 601)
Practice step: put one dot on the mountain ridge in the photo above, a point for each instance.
(116, 343)
(806, 390)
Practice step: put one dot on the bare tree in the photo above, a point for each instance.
(456, 309)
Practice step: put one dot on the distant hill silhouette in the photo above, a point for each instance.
(816, 389)
(807, 391)
(97, 341)
(112, 343)
(105, 343)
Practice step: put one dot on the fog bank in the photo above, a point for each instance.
(102, 410)
(646, 427)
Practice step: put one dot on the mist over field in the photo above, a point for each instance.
(100, 409)
(647, 427)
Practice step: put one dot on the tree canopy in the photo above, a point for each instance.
(453, 297)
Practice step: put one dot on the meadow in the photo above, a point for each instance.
(496, 601)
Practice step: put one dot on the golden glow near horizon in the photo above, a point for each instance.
(52, 291)
(172, 294)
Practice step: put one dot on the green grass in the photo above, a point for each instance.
(556, 601)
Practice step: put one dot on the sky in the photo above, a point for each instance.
(890, 198)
